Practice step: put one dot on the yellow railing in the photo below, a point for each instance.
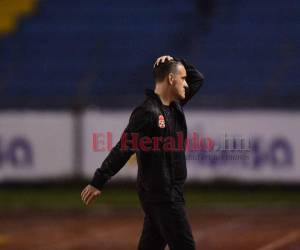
(11, 11)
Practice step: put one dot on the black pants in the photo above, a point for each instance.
(166, 224)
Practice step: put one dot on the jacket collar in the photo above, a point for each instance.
(150, 93)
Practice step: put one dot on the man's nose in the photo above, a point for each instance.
(185, 84)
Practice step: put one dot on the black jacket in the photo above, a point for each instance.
(156, 180)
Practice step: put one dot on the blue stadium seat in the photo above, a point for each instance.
(110, 46)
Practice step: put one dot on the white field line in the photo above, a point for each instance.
(281, 242)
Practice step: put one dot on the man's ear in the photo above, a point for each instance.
(171, 78)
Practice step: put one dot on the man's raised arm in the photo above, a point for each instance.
(194, 80)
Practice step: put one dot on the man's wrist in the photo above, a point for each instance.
(97, 184)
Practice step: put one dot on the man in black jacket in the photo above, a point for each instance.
(157, 133)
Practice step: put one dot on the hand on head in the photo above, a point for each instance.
(162, 59)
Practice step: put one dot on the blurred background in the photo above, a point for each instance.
(71, 71)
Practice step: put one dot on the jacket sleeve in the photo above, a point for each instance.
(194, 79)
(139, 122)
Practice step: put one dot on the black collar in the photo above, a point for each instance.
(150, 93)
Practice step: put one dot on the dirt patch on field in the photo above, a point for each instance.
(213, 229)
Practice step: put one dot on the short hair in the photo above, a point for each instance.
(161, 70)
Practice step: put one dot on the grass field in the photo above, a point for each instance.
(68, 197)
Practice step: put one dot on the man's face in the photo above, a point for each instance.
(179, 82)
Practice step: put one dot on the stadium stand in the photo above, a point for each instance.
(87, 52)
(11, 11)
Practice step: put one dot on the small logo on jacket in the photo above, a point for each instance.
(161, 121)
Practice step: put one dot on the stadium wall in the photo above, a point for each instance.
(246, 146)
